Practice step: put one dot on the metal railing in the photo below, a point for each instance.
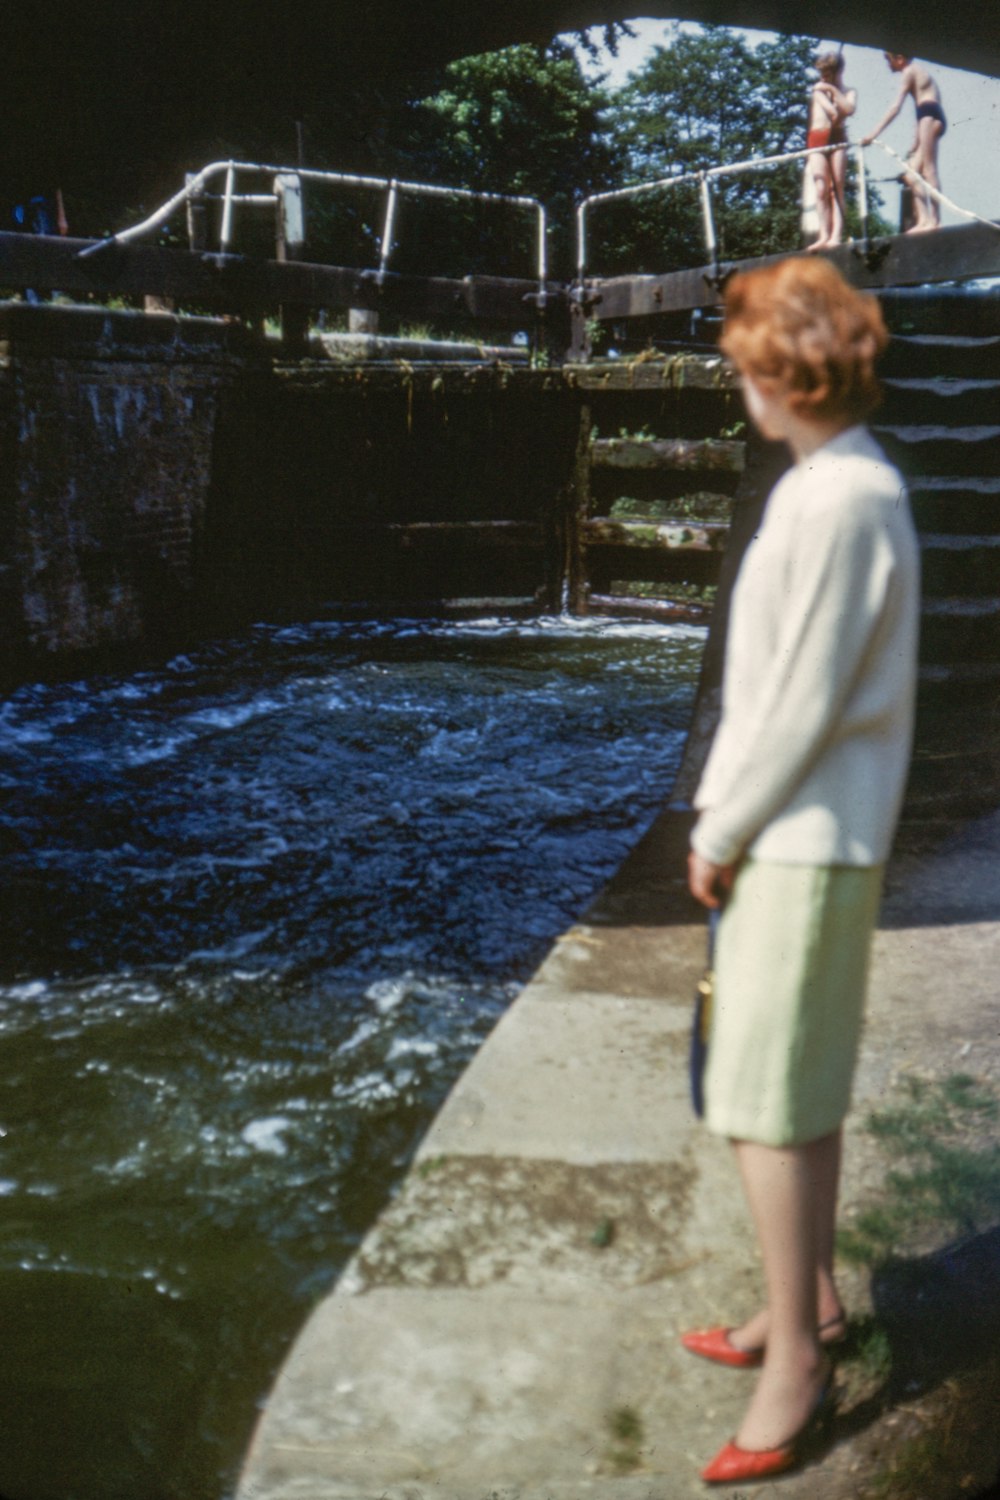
(196, 190)
(704, 178)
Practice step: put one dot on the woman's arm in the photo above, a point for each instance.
(836, 593)
(708, 882)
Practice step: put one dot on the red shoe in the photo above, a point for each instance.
(734, 1465)
(715, 1344)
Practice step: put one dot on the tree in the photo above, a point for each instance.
(522, 121)
(707, 98)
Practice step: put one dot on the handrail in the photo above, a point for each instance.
(392, 187)
(702, 176)
(935, 193)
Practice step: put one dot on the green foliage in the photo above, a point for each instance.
(705, 99)
(522, 121)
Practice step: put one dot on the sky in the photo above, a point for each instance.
(969, 154)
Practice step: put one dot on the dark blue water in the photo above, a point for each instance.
(257, 910)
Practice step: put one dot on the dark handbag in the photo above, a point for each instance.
(702, 1022)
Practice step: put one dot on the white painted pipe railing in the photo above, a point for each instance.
(196, 187)
(702, 177)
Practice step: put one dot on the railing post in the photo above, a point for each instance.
(291, 235)
(226, 233)
(862, 193)
(576, 585)
(708, 223)
(197, 217)
(388, 227)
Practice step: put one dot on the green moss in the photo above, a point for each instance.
(700, 505)
(623, 1452)
(672, 593)
(432, 1164)
(603, 1234)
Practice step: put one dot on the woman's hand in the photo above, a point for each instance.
(707, 882)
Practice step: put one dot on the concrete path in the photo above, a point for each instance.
(508, 1330)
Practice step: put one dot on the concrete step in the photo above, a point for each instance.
(930, 449)
(956, 677)
(960, 565)
(956, 504)
(958, 630)
(940, 400)
(933, 354)
(942, 309)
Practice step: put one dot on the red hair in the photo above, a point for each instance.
(797, 327)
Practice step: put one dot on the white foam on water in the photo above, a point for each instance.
(236, 716)
(160, 750)
(266, 1134)
(404, 1046)
(364, 1033)
(388, 994)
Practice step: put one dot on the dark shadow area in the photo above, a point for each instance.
(941, 1312)
(936, 1326)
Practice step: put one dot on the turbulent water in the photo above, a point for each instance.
(258, 908)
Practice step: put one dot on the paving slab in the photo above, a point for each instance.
(508, 1330)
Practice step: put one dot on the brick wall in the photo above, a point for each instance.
(107, 425)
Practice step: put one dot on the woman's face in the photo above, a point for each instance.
(767, 410)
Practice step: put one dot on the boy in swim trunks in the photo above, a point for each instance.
(931, 126)
(829, 106)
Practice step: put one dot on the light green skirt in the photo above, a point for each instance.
(791, 961)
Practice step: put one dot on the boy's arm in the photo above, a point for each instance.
(846, 100)
(897, 105)
(823, 96)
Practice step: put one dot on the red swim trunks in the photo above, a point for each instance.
(832, 135)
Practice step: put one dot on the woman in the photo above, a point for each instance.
(798, 803)
(830, 104)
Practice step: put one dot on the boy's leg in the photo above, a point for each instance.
(928, 135)
(918, 197)
(819, 166)
(838, 174)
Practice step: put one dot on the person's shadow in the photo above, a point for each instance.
(939, 1318)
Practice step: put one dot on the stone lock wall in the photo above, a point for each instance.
(107, 426)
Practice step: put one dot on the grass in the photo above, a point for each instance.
(942, 1184)
(945, 1173)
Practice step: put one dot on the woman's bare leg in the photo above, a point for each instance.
(784, 1186)
(823, 1158)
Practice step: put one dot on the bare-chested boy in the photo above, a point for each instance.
(829, 106)
(931, 126)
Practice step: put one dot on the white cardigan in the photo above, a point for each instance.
(809, 762)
